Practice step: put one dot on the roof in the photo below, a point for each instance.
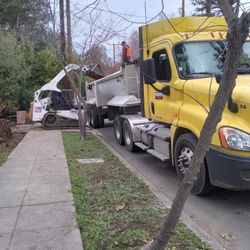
(181, 26)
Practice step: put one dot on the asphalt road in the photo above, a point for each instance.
(223, 215)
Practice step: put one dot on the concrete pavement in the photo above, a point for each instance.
(36, 203)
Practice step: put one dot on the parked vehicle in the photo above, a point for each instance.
(181, 61)
(113, 95)
(57, 107)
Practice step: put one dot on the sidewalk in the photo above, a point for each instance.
(36, 203)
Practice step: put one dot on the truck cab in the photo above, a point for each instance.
(181, 61)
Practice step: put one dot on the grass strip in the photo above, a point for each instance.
(8, 146)
(115, 210)
(4, 155)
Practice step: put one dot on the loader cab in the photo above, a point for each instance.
(62, 100)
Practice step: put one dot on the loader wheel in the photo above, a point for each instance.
(50, 119)
(183, 154)
(94, 119)
(128, 137)
(118, 130)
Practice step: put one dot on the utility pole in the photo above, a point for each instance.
(183, 8)
(69, 34)
(62, 32)
(69, 46)
(114, 54)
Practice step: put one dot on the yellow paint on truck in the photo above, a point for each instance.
(190, 98)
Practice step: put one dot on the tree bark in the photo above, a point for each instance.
(237, 34)
(62, 32)
(69, 33)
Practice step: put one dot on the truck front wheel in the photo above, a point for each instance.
(183, 153)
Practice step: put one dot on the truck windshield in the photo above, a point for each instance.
(199, 59)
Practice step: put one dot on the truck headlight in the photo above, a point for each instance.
(234, 139)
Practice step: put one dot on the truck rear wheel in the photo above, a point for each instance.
(118, 130)
(88, 115)
(94, 119)
(128, 137)
(101, 121)
(183, 153)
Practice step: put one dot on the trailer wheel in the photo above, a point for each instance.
(118, 130)
(88, 116)
(101, 121)
(128, 137)
(183, 153)
(94, 119)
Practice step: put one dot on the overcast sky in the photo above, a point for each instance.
(130, 10)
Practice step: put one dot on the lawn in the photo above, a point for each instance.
(115, 210)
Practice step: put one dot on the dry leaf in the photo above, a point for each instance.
(121, 207)
(116, 243)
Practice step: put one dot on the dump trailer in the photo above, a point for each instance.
(181, 62)
(56, 107)
(113, 95)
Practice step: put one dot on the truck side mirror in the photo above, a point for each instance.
(148, 70)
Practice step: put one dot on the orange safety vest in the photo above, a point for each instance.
(128, 54)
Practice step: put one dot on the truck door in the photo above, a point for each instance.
(160, 104)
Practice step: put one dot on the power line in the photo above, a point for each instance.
(107, 11)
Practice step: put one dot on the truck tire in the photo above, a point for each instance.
(128, 137)
(101, 121)
(118, 130)
(88, 116)
(94, 119)
(183, 153)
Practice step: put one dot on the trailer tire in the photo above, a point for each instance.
(118, 130)
(94, 119)
(183, 153)
(128, 137)
(88, 116)
(89, 120)
(101, 121)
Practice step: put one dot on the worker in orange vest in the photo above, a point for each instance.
(126, 54)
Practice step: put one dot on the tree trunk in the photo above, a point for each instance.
(62, 32)
(82, 121)
(69, 35)
(238, 31)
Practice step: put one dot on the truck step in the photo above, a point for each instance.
(141, 146)
(158, 155)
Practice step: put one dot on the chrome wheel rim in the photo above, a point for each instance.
(127, 136)
(117, 132)
(184, 159)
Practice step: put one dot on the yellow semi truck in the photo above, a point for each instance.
(181, 61)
